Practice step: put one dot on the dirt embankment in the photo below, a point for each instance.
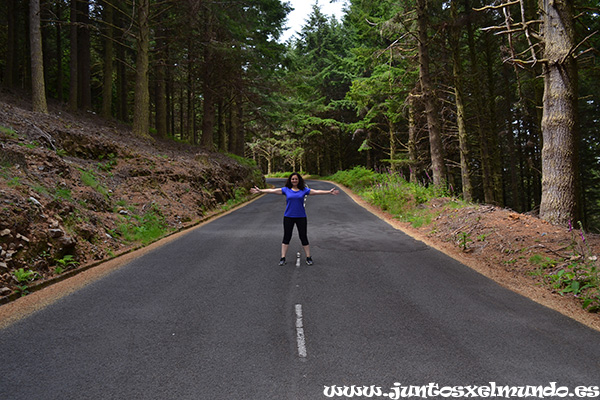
(77, 189)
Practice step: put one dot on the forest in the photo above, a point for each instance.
(496, 100)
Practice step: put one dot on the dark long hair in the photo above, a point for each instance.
(301, 184)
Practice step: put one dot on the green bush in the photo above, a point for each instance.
(357, 178)
(391, 192)
(285, 174)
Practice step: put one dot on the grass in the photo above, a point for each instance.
(392, 193)
(8, 132)
(144, 229)
(88, 178)
(239, 196)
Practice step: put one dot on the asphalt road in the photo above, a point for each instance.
(212, 316)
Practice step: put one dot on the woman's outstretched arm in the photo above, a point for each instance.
(255, 189)
(333, 191)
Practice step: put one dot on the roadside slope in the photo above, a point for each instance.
(77, 189)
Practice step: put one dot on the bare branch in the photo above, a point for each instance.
(579, 44)
(498, 6)
(584, 52)
(533, 55)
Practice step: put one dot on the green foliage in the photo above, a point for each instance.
(61, 193)
(22, 275)
(67, 262)
(88, 178)
(240, 195)
(581, 280)
(109, 164)
(23, 289)
(464, 238)
(8, 132)
(33, 145)
(285, 174)
(391, 192)
(542, 262)
(143, 229)
(14, 182)
(356, 179)
(40, 189)
(482, 237)
(417, 217)
(58, 193)
(579, 276)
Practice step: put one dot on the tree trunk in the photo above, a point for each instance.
(161, 101)
(122, 105)
(169, 99)
(208, 117)
(222, 124)
(239, 130)
(480, 111)
(84, 60)
(141, 112)
(412, 139)
(208, 114)
(392, 140)
(465, 173)
(495, 151)
(59, 52)
(122, 91)
(9, 70)
(45, 15)
(560, 175)
(38, 87)
(161, 88)
(189, 115)
(431, 108)
(107, 85)
(73, 103)
(233, 127)
(515, 199)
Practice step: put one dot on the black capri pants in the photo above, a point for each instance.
(288, 227)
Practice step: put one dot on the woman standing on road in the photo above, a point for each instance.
(295, 190)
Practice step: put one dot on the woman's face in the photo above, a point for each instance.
(294, 179)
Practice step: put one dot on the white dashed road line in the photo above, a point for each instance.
(300, 339)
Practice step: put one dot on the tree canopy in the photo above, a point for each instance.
(495, 100)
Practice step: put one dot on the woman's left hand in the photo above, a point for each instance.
(334, 191)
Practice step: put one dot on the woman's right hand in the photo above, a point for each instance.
(255, 190)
